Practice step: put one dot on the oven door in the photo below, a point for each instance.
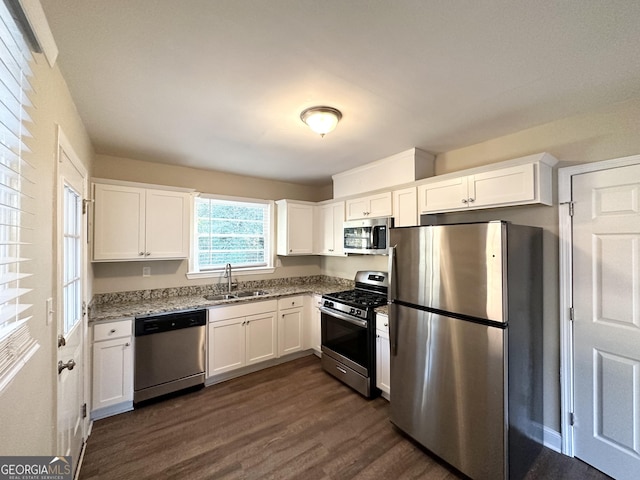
(347, 340)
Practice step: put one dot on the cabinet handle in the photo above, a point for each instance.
(342, 370)
(471, 200)
(141, 254)
(147, 254)
(248, 322)
(113, 330)
(127, 344)
(386, 324)
(464, 200)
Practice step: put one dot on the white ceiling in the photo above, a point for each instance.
(220, 84)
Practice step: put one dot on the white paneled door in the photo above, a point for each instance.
(71, 325)
(606, 299)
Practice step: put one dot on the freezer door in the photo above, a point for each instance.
(448, 389)
(454, 268)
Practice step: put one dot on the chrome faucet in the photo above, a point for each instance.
(227, 275)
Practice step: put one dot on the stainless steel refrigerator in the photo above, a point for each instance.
(465, 312)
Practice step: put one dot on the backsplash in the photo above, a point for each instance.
(213, 289)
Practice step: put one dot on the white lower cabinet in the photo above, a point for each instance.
(112, 390)
(241, 335)
(290, 325)
(383, 358)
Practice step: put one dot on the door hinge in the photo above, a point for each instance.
(86, 201)
(84, 309)
(571, 314)
(572, 419)
(84, 410)
(570, 207)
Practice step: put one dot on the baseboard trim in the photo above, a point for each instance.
(223, 377)
(552, 439)
(112, 410)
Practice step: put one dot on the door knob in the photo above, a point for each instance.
(70, 364)
(61, 341)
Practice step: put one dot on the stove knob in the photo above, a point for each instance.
(352, 311)
(358, 312)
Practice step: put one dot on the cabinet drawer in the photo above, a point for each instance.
(291, 302)
(382, 322)
(111, 330)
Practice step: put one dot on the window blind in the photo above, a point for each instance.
(16, 343)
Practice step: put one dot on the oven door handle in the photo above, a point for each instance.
(344, 316)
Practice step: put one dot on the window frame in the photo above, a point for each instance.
(194, 271)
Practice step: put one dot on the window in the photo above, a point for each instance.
(235, 231)
(16, 343)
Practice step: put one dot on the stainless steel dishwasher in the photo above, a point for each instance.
(169, 353)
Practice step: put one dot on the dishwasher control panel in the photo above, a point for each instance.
(169, 321)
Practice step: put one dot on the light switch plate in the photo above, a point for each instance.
(146, 271)
(49, 308)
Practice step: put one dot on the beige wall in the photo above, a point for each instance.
(28, 404)
(205, 181)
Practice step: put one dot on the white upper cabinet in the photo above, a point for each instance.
(295, 228)
(135, 223)
(518, 182)
(405, 207)
(377, 205)
(329, 229)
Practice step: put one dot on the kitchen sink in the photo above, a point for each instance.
(230, 296)
(223, 296)
(252, 293)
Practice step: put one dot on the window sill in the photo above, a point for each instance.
(240, 272)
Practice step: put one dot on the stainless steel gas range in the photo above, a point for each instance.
(348, 332)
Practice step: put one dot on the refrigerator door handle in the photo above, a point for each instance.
(393, 329)
(391, 296)
(391, 290)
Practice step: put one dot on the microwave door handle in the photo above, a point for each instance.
(374, 237)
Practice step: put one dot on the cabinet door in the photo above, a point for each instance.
(357, 208)
(290, 331)
(503, 187)
(112, 372)
(330, 223)
(167, 224)
(299, 229)
(442, 196)
(260, 331)
(226, 350)
(119, 223)
(338, 224)
(383, 365)
(380, 205)
(325, 230)
(405, 207)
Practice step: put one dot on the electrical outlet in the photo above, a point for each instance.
(146, 271)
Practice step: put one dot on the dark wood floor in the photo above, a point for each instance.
(292, 421)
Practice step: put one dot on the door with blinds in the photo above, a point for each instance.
(72, 328)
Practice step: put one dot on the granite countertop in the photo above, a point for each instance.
(108, 307)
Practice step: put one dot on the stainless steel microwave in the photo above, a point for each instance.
(367, 236)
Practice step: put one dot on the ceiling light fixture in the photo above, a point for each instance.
(321, 120)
